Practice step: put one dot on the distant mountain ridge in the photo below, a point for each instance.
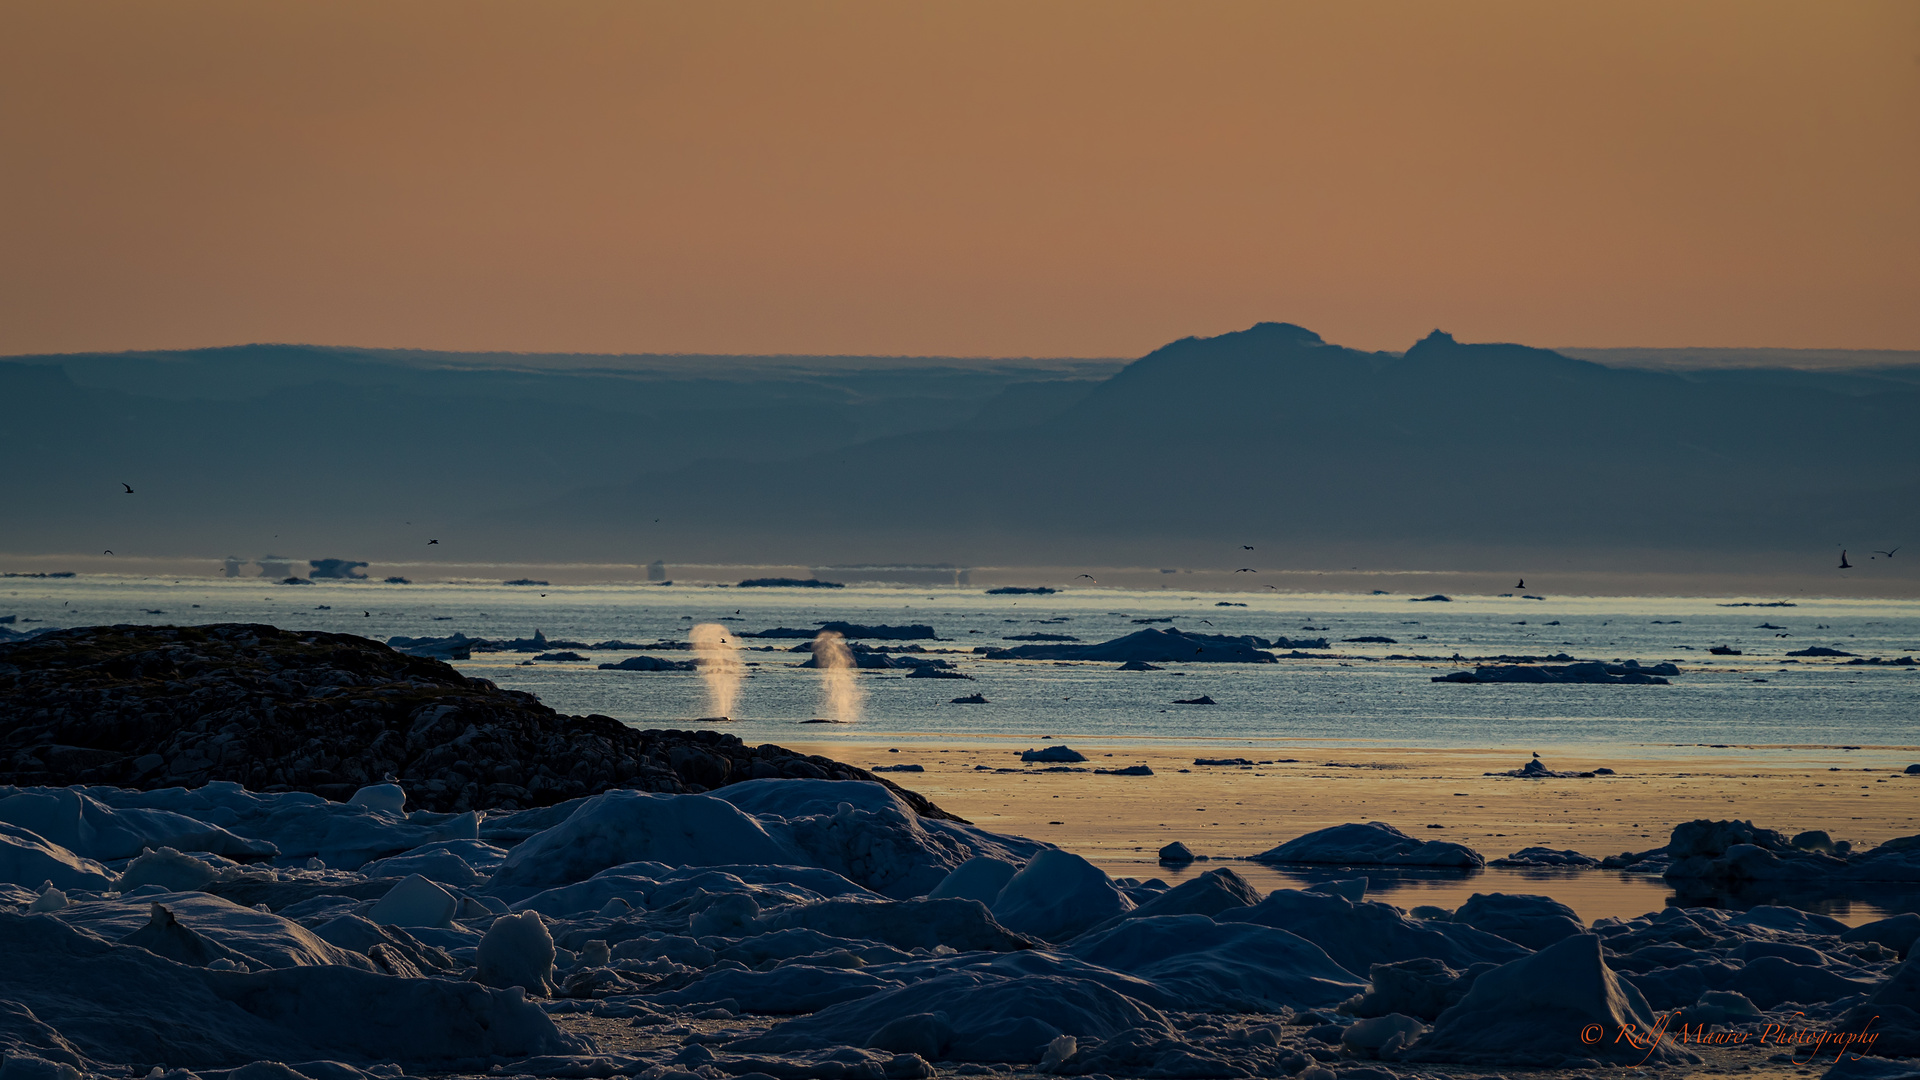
(1270, 433)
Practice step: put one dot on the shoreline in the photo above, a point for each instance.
(1228, 811)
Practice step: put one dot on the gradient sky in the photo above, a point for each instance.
(967, 179)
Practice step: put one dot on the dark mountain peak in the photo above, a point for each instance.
(1279, 335)
(1439, 339)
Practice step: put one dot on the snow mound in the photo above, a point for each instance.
(27, 860)
(1373, 843)
(391, 798)
(635, 826)
(518, 951)
(979, 878)
(1533, 1012)
(463, 864)
(1228, 967)
(265, 939)
(1058, 895)
(168, 869)
(416, 902)
(1533, 921)
(200, 1019)
(89, 828)
(965, 925)
(968, 1016)
(1360, 935)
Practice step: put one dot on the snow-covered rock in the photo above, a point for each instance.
(1056, 896)
(1372, 843)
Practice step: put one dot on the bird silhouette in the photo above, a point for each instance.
(1246, 547)
(1245, 570)
(433, 541)
(1844, 564)
(1089, 577)
(1274, 587)
(1522, 585)
(366, 614)
(1888, 554)
(128, 486)
(1209, 622)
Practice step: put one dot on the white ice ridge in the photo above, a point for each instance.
(821, 930)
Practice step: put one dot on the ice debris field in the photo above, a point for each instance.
(794, 928)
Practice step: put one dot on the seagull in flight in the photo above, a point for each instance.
(109, 551)
(366, 614)
(1888, 554)
(1844, 564)
(128, 486)
(433, 541)
(1246, 547)
(1522, 585)
(1245, 570)
(1089, 577)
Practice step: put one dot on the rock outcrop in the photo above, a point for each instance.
(149, 707)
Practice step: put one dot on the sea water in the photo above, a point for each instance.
(1351, 694)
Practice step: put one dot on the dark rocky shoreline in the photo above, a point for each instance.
(276, 710)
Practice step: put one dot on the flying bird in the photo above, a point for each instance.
(1244, 570)
(433, 541)
(1246, 547)
(1844, 564)
(1089, 577)
(128, 486)
(366, 614)
(109, 551)
(1888, 554)
(1522, 585)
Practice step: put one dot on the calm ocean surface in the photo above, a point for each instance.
(1357, 695)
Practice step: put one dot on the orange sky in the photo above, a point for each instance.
(971, 178)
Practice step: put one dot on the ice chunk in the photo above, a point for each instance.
(463, 864)
(1372, 843)
(906, 924)
(1533, 921)
(416, 901)
(160, 1010)
(1058, 894)
(784, 990)
(518, 951)
(633, 826)
(979, 878)
(28, 860)
(89, 828)
(50, 899)
(168, 869)
(164, 936)
(1360, 935)
(981, 1017)
(1231, 967)
(1533, 1011)
(1209, 894)
(390, 798)
(265, 939)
